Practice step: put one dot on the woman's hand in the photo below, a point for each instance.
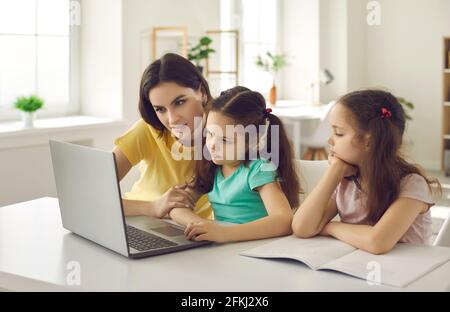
(347, 169)
(206, 230)
(175, 197)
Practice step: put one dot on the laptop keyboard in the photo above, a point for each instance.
(141, 240)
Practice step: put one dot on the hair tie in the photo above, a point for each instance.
(267, 112)
(385, 113)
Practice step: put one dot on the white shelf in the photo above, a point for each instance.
(13, 135)
(52, 124)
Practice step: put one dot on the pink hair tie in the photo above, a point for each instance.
(267, 112)
(385, 113)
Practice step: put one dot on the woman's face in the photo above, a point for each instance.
(176, 107)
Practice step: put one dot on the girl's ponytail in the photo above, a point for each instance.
(286, 163)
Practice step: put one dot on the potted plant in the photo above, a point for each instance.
(28, 107)
(407, 106)
(200, 51)
(272, 63)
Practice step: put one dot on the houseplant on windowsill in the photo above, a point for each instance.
(200, 51)
(28, 107)
(271, 63)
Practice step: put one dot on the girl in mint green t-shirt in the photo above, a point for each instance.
(247, 170)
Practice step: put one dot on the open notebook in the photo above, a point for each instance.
(400, 267)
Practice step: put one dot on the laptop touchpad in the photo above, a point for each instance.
(169, 231)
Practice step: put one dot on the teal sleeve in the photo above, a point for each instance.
(262, 172)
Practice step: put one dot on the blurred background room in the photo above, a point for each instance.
(70, 70)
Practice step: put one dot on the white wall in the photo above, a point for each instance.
(404, 54)
(111, 64)
(356, 44)
(101, 58)
(26, 171)
(25, 163)
(300, 42)
(343, 46)
(139, 17)
(333, 47)
(319, 34)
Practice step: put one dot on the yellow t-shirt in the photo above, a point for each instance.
(159, 170)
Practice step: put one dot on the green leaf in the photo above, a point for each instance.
(201, 50)
(29, 104)
(271, 62)
(205, 41)
(407, 106)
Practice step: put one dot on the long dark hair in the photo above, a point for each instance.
(379, 114)
(247, 107)
(169, 68)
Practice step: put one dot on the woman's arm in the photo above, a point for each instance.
(184, 216)
(174, 197)
(123, 164)
(131, 207)
(383, 236)
(277, 223)
(319, 208)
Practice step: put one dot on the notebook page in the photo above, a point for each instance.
(400, 267)
(314, 252)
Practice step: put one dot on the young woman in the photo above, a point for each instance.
(172, 94)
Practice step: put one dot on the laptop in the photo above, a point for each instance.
(91, 206)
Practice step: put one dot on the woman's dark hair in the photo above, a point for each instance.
(249, 108)
(379, 114)
(169, 68)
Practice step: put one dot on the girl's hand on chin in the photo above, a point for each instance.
(347, 169)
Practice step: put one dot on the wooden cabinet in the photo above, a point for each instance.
(446, 107)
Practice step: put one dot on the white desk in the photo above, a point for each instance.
(293, 115)
(35, 250)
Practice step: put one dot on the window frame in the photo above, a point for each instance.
(259, 42)
(9, 113)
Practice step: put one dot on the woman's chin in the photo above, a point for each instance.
(217, 162)
(183, 138)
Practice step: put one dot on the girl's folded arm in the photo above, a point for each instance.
(319, 207)
(277, 223)
(386, 233)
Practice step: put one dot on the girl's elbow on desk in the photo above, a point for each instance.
(282, 225)
(372, 241)
(369, 238)
(303, 229)
(377, 245)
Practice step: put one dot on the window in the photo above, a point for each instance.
(258, 22)
(37, 52)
